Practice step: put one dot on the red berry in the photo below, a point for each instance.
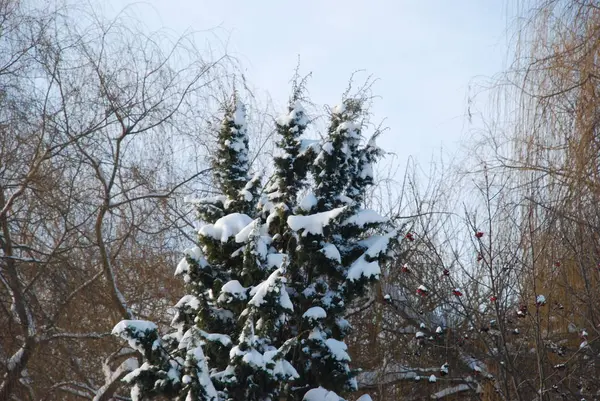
(457, 292)
(557, 263)
(479, 234)
(479, 257)
(493, 299)
(446, 272)
(409, 236)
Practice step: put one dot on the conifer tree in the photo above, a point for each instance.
(292, 164)
(270, 279)
(338, 251)
(231, 161)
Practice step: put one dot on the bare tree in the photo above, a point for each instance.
(522, 323)
(102, 128)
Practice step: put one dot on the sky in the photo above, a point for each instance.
(427, 56)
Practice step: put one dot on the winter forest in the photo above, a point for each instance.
(166, 234)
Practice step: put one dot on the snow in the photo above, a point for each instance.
(419, 334)
(422, 288)
(378, 244)
(282, 368)
(307, 145)
(296, 115)
(343, 324)
(321, 394)
(314, 223)
(254, 358)
(308, 201)
(362, 268)
(345, 199)
(327, 148)
(259, 292)
(393, 373)
(226, 227)
(339, 109)
(366, 171)
(260, 243)
(284, 119)
(275, 259)
(244, 233)
(189, 339)
(234, 288)
(351, 127)
(207, 200)
(15, 359)
(246, 192)
(365, 217)
(331, 252)
(173, 374)
(314, 313)
(338, 349)
(452, 390)
(444, 368)
(224, 339)
(365, 397)
(188, 300)
(203, 377)
(270, 360)
(136, 326)
(182, 267)
(237, 143)
(316, 334)
(128, 378)
(432, 379)
(476, 365)
(136, 393)
(540, 299)
(196, 254)
(239, 114)
(133, 330)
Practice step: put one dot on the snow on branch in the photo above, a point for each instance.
(314, 223)
(113, 379)
(392, 374)
(461, 388)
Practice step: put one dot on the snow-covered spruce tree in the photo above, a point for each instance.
(177, 368)
(270, 279)
(338, 249)
(292, 164)
(231, 160)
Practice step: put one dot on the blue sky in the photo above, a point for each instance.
(425, 54)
